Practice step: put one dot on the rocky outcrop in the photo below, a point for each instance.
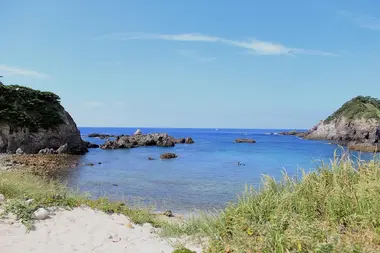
(134, 141)
(187, 140)
(168, 156)
(356, 124)
(245, 141)
(101, 136)
(32, 120)
(293, 133)
(91, 145)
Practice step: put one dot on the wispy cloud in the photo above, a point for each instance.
(192, 54)
(6, 70)
(255, 46)
(362, 20)
(93, 103)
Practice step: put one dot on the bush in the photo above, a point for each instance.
(183, 250)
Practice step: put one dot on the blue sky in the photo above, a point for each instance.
(170, 63)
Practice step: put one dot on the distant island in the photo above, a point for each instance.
(356, 124)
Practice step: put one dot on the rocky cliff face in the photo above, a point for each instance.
(31, 120)
(356, 124)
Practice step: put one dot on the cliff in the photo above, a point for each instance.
(32, 120)
(356, 124)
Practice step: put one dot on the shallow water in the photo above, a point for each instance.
(206, 174)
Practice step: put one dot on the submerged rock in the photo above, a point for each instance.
(245, 141)
(168, 156)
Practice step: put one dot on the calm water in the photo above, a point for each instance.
(204, 176)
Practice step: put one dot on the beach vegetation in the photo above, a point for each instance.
(20, 186)
(335, 208)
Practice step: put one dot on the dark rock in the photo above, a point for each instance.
(150, 158)
(189, 140)
(168, 213)
(99, 163)
(114, 184)
(168, 156)
(90, 164)
(101, 136)
(245, 141)
(91, 145)
(294, 133)
(134, 141)
(180, 141)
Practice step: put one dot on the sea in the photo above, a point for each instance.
(207, 175)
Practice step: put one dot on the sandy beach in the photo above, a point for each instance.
(84, 230)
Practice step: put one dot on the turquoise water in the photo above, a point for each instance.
(205, 175)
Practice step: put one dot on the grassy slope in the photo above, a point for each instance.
(334, 209)
(357, 108)
(24, 107)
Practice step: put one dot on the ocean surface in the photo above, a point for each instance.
(205, 176)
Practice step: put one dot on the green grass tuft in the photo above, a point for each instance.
(333, 209)
(183, 250)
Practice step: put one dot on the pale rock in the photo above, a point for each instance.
(40, 214)
(19, 151)
(2, 198)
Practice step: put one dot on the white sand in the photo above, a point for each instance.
(82, 230)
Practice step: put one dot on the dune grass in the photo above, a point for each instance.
(333, 209)
(19, 186)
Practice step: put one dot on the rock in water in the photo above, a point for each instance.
(42, 122)
(245, 141)
(138, 132)
(134, 141)
(356, 124)
(40, 214)
(168, 156)
(188, 140)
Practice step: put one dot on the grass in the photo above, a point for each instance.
(333, 209)
(358, 108)
(19, 186)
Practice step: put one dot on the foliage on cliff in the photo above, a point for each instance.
(358, 108)
(24, 107)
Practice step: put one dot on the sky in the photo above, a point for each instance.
(206, 64)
